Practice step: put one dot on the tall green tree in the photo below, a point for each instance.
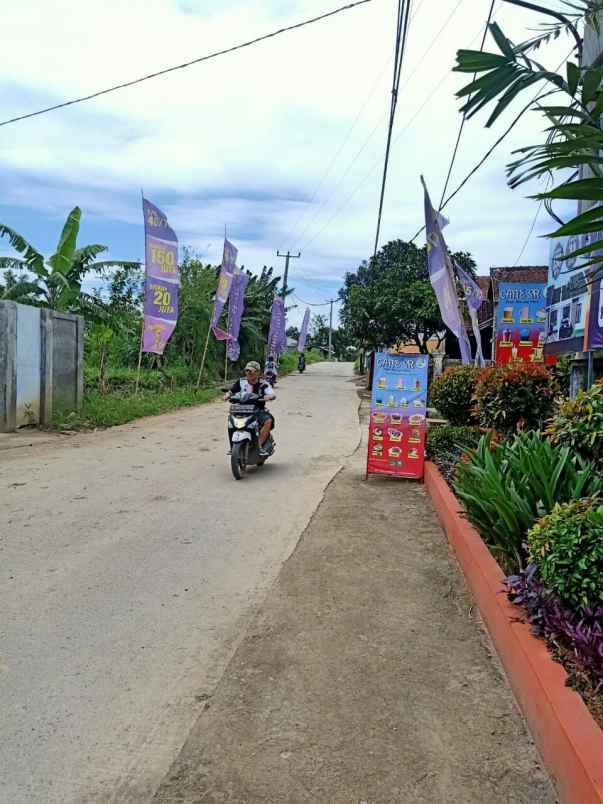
(389, 300)
(57, 281)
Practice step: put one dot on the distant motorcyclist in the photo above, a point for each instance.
(271, 370)
(301, 363)
(252, 383)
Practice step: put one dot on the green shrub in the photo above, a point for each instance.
(562, 372)
(567, 548)
(578, 424)
(453, 391)
(445, 440)
(506, 488)
(518, 396)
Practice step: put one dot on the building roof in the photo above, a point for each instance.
(484, 283)
(519, 273)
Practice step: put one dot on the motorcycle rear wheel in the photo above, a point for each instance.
(238, 460)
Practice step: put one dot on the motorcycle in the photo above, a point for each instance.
(270, 377)
(301, 365)
(244, 435)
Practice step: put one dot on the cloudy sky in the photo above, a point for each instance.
(282, 142)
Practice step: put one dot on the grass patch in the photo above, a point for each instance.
(117, 407)
(120, 404)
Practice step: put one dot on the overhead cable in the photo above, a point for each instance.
(185, 64)
(464, 117)
(428, 98)
(315, 304)
(538, 96)
(401, 37)
(293, 230)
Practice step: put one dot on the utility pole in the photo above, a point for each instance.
(331, 302)
(287, 257)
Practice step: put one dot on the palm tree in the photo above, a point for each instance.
(57, 282)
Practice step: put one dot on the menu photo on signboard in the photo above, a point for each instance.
(398, 415)
(521, 322)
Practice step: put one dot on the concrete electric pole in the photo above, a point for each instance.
(287, 257)
(331, 302)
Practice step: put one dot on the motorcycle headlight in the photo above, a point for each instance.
(238, 422)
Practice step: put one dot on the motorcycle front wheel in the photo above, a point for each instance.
(238, 460)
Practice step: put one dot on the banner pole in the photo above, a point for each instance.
(145, 283)
(226, 342)
(139, 358)
(204, 356)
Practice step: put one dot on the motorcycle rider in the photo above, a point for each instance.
(270, 370)
(252, 383)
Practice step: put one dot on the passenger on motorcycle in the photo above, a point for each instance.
(252, 383)
(271, 370)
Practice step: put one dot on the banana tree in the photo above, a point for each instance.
(18, 289)
(572, 153)
(57, 281)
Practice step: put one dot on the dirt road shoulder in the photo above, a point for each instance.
(364, 676)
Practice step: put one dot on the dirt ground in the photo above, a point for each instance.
(365, 677)
(131, 563)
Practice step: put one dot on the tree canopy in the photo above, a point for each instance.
(389, 300)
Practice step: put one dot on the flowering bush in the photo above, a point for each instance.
(452, 393)
(578, 424)
(518, 396)
(446, 445)
(581, 631)
(445, 439)
(567, 547)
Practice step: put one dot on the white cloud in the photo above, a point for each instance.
(245, 139)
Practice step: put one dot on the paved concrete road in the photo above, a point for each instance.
(130, 562)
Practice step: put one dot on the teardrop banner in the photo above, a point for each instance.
(162, 280)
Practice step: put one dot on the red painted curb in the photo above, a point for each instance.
(569, 740)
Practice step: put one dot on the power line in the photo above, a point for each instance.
(464, 117)
(365, 178)
(315, 304)
(375, 164)
(185, 64)
(529, 235)
(351, 164)
(401, 37)
(538, 96)
(333, 162)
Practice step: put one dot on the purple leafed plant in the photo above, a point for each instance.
(580, 630)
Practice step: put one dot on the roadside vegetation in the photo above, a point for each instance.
(528, 475)
(533, 486)
(112, 308)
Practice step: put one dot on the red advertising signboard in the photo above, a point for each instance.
(398, 416)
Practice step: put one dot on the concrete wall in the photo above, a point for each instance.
(28, 364)
(41, 364)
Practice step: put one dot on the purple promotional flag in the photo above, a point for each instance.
(442, 277)
(277, 339)
(227, 270)
(236, 306)
(162, 279)
(303, 333)
(474, 298)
